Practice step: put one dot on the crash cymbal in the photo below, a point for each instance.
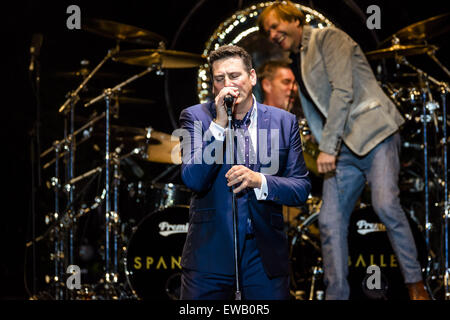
(421, 31)
(400, 50)
(122, 32)
(169, 59)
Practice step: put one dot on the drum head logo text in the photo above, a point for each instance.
(167, 229)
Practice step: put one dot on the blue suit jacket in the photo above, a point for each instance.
(209, 242)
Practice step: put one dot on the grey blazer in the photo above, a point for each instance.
(345, 92)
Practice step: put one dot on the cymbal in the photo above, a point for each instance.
(122, 32)
(165, 151)
(422, 30)
(310, 153)
(158, 146)
(400, 50)
(169, 59)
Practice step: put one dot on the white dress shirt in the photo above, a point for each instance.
(219, 134)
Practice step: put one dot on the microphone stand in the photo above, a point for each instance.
(230, 147)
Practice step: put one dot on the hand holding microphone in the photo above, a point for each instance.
(229, 101)
(225, 101)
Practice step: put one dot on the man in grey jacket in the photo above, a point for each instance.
(356, 126)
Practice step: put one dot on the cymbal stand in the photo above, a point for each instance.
(58, 244)
(74, 95)
(433, 57)
(115, 225)
(66, 222)
(444, 91)
(69, 218)
(444, 88)
(111, 217)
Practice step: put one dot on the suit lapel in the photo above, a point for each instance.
(263, 123)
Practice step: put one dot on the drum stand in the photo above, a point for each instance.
(444, 89)
(64, 223)
(112, 219)
(444, 92)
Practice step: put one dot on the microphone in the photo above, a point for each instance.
(35, 49)
(228, 100)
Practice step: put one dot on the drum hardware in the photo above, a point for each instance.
(164, 173)
(121, 99)
(107, 93)
(158, 148)
(73, 96)
(316, 274)
(112, 216)
(429, 107)
(65, 143)
(306, 261)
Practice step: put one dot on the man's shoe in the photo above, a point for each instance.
(417, 291)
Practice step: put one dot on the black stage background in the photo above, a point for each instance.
(63, 49)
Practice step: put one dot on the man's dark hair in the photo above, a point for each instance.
(267, 69)
(230, 51)
(284, 10)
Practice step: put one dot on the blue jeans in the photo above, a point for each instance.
(380, 168)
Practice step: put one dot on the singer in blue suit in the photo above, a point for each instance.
(265, 170)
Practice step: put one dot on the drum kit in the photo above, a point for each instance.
(142, 225)
(421, 99)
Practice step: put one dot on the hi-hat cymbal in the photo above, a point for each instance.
(422, 30)
(122, 32)
(169, 59)
(400, 50)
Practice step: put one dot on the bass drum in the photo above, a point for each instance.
(368, 245)
(153, 254)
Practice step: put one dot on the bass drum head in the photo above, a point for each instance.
(153, 255)
(369, 245)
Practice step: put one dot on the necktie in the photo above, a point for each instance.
(244, 151)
